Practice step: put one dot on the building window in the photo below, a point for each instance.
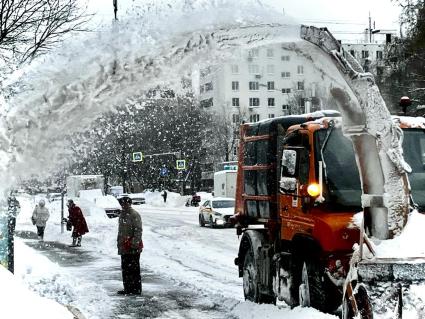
(271, 116)
(253, 69)
(379, 55)
(254, 101)
(270, 69)
(235, 101)
(205, 72)
(201, 89)
(353, 53)
(235, 150)
(208, 86)
(270, 101)
(285, 109)
(235, 118)
(235, 85)
(235, 69)
(286, 74)
(300, 85)
(254, 117)
(365, 54)
(253, 86)
(285, 58)
(270, 85)
(286, 90)
(253, 53)
(300, 69)
(207, 103)
(270, 53)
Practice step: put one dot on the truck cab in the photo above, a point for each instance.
(298, 188)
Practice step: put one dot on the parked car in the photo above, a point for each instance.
(216, 212)
(110, 204)
(137, 199)
(194, 200)
(93, 202)
(51, 197)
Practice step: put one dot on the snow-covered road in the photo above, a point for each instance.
(187, 270)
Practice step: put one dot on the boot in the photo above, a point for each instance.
(74, 242)
(79, 241)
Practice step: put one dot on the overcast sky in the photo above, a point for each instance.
(343, 15)
(346, 19)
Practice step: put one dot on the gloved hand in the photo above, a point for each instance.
(126, 245)
(140, 246)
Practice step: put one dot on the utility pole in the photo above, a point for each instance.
(115, 3)
(370, 28)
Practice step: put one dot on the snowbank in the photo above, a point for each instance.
(249, 310)
(18, 302)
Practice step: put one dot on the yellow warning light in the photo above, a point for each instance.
(313, 190)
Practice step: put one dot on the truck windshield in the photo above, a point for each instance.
(341, 174)
(342, 177)
(414, 154)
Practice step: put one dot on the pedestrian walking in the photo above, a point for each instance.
(130, 245)
(78, 222)
(164, 194)
(40, 217)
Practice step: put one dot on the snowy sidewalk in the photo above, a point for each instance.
(101, 279)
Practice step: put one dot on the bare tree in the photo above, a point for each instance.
(32, 27)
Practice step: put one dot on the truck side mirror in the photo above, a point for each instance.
(289, 161)
(288, 184)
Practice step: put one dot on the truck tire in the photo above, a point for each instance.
(312, 292)
(250, 283)
(201, 220)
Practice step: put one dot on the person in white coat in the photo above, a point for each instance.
(39, 218)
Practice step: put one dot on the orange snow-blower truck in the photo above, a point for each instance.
(300, 181)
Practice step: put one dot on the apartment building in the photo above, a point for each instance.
(271, 81)
(370, 55)
(263, 82)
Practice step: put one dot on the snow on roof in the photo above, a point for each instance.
(409, 121)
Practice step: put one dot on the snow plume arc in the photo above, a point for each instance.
(67, 90)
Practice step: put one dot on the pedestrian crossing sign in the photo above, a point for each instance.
(181, 164)
(137, 157)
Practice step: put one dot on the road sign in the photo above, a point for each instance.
(137, 157)
(163, 171)
(181, 164)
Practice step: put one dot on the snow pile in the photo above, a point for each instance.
(155, 199)
(409, 243)
(173, 199)
(18, 302)
(249, 310)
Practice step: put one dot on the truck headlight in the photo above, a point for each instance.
(313, 190)
(217, 214)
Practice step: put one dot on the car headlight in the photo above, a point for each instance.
(217, 214)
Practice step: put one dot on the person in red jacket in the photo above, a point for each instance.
(77, 220)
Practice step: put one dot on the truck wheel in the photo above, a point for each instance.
(311, 289)
(201, 220)
(250, 286)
